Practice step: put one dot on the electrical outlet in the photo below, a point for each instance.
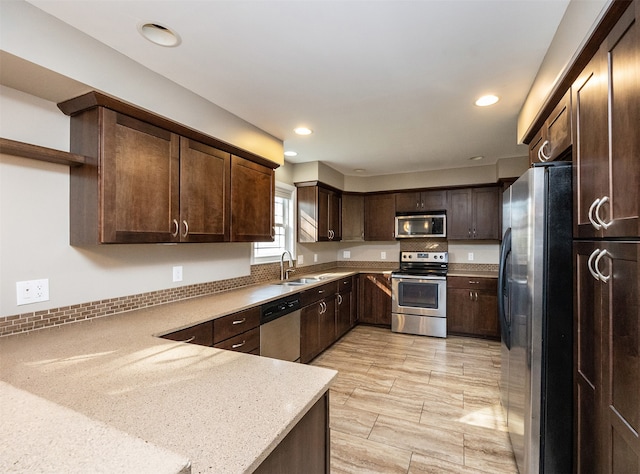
(383, 255)
(470, 256)
(177, 273)
(346, 254)
(32, 291)
(300, 259)
(315, 257)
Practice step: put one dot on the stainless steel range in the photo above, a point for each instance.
(419, 294)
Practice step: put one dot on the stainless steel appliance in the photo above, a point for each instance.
(419, 294)
(421, 225)
(280, 329)
(535, 306)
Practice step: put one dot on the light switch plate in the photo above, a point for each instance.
(383, 255)
(470, 256)
(346, 254)
(177, 273)
(300, 259)
(32, 291)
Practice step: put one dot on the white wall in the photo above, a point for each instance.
(34, 228)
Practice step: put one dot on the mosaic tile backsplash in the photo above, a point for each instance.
(26, 322)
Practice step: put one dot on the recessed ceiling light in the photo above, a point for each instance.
(303, 131)
(476, 158)
(359, 170)
(159, 34)
(486, 100)
(290, 153)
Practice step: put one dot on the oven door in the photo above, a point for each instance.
(419, 295)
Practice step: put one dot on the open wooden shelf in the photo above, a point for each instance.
(26, 150)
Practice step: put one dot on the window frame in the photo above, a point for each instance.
(284, 191)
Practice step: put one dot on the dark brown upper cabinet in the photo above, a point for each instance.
(474, 213)
(252, 201)
(421, 201)
(149, 180)
(606, 148)
(554, 137)
(379, 217)
(319, 212)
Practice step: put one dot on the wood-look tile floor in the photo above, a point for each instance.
(415, 404)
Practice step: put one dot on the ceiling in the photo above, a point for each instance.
(386, 86)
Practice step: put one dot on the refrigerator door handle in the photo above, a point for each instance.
(505, 250)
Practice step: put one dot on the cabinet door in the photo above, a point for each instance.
(606, 142)
(327, 322)
(459, 215)
(558, 130)
(587, 362)
(486, 213)
(486, 313)
(590, 144)
(621, 354)
(343, 313)
(459, 311)
(140, 181)
(335, 216)
(252, 201)
(622, 45)
(204, 193)
(534, 147)
(309, 333)
(435, 200)
(408, 201)
(375, 299)
(324, 199)
(379, 217)
(352, 217)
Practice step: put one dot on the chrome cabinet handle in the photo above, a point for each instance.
(186, 229)
(541, 154)
(591, 208)
(605, 225)
(192, 338)
(471, 282)
(476, 296)
(471, 295)
(177, 227)
(339, 299)
(596, 264)
(589, 264)
(235, 346)
(239, 321)
(320, 292)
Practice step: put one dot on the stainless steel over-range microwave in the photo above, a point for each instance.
(421, 225)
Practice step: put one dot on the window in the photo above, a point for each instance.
(264, 252)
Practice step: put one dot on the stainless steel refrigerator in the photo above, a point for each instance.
(535, 305)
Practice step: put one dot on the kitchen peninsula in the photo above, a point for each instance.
(223, 411)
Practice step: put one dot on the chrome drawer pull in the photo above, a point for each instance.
(192, 338)
(235, 346)
(240, 321)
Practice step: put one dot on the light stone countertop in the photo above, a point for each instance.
(223, 411)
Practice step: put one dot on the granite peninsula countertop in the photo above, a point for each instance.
(221, 411)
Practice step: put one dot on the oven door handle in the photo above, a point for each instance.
(418, 277)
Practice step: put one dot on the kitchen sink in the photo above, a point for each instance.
(299, 281)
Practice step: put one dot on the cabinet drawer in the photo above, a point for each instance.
(345, 285)
(246, 342)
(201, 334)
(316, 294)
(472, 283)
(236, 323)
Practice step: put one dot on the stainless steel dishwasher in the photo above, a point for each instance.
(280, 329)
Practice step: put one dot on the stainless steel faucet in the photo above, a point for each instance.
(284, 274)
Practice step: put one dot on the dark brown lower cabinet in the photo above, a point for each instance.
(472, 306)
(307, 446)
(345, 307)
(607, 356)
(374, 299)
